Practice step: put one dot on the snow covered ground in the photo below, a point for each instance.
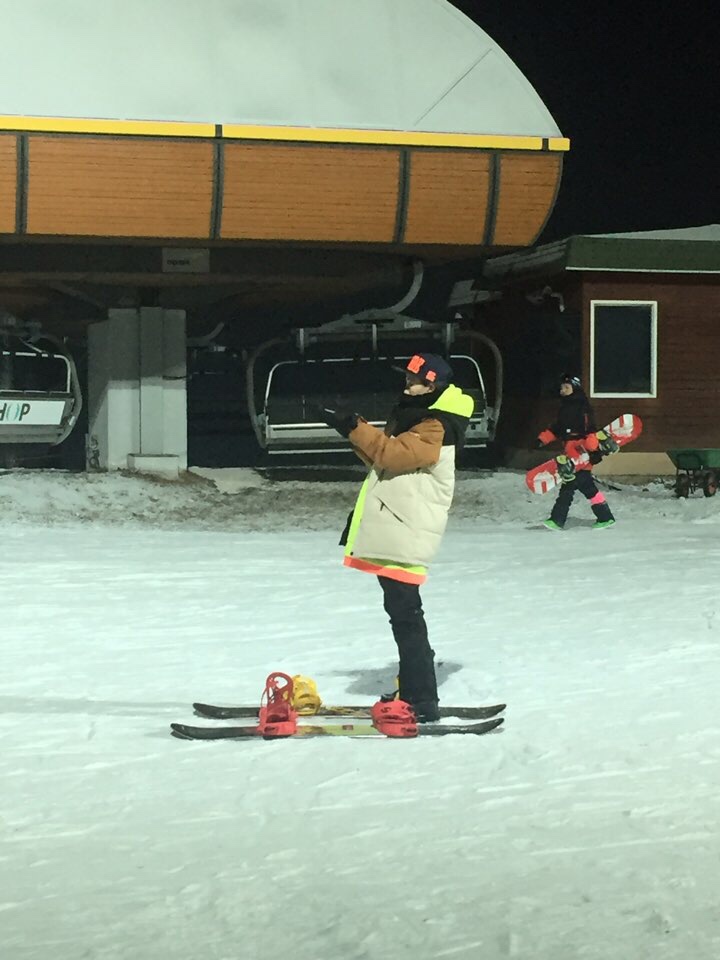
(588, 827)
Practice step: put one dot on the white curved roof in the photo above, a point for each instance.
(377, 64)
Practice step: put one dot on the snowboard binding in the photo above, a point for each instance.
(277, 716)
(305, 697)
(565, 468)
(394, 718)
(606, 444)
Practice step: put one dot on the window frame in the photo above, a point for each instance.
(653, 304)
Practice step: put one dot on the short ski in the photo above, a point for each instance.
(214, 712)
(185, 732)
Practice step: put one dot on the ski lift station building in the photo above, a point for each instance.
(186, 186)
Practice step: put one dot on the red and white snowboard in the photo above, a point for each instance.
(625, 428)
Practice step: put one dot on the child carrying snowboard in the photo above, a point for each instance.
(575, 428)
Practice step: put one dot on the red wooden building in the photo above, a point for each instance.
(636, 314)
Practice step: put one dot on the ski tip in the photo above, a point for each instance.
(488, 726)
(494, 724)
(177, 732)
(182, 732)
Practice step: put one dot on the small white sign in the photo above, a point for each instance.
(20, 413)
(185, 260)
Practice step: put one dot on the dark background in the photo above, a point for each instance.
(635, 87)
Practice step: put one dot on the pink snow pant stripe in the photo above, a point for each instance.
(598, 498)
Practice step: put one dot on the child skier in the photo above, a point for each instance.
(575, 428)
(401, 512)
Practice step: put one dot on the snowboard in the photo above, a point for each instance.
(622, 430)
(184, 731)
(213, 711)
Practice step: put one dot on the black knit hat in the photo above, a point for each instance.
(429, 367)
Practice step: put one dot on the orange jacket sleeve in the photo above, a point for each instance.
(412, 450)
(546, 436)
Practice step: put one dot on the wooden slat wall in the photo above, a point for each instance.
(95, 186)
(686, 412)
(143, 187)
(309, 193)
(8, 181)
(528, 186)
(448, 196)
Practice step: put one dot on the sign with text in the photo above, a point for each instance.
(22, 413)
(185, 260)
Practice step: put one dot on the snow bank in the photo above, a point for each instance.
(245, 499)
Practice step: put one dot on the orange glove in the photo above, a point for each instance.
(574, 448)
(545, 437)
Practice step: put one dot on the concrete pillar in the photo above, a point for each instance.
(113, 401)
(136, 392)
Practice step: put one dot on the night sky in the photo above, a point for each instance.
(635, 86)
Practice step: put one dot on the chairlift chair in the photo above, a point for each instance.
(40, 395)
(350, 361)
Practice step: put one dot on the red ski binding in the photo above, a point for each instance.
(394, 718)
(276, 717)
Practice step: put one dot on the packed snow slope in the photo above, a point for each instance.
(587, 827)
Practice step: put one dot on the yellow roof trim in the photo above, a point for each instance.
(142, 128)
(558, 143)
(235, 131)
(408, 138)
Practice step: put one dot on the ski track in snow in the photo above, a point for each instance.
(586, 828)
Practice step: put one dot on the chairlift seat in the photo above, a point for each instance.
(296, 388)
(38, 401)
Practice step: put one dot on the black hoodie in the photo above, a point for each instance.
(575, 418)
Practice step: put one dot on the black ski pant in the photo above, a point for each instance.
(585, 483)
(417, 682)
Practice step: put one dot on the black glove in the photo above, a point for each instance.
(343, 419)
(539, 444)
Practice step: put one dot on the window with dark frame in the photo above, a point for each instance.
(623, 349)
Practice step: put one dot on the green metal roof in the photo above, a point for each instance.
(688, 250)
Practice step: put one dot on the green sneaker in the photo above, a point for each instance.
(601, 524)
(551, 525)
